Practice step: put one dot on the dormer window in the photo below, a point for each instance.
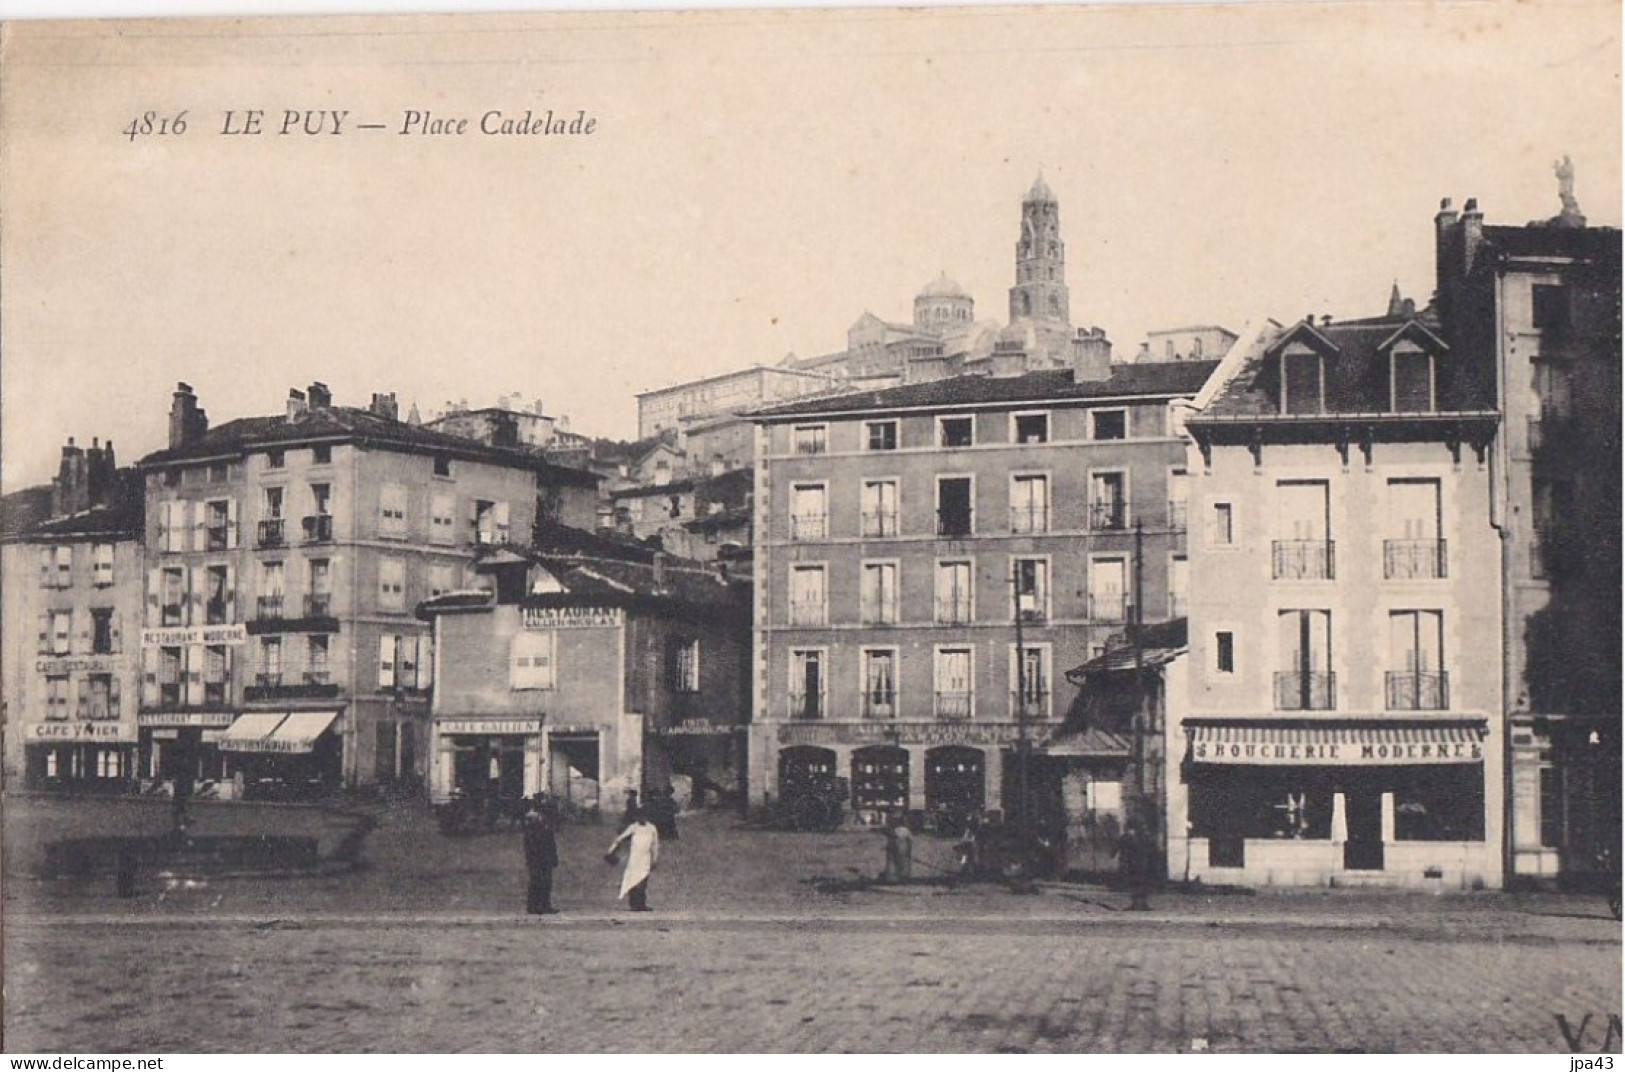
(1303, 381)
(1412, 380)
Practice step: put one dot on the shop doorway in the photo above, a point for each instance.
(955, 786)
(811, 795)
(879, 782)
(573, 771)
(1363, 850)
(490, 770)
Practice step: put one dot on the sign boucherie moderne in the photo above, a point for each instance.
(181, 636)
(1343, 746)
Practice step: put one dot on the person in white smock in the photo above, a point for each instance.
(643, 842)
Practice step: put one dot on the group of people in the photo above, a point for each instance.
(642, 828)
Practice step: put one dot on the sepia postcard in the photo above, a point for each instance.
(989, 530)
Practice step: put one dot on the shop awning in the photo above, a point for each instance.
(299, 732)
(1258, 744)
(1090, 742)
(249, 732)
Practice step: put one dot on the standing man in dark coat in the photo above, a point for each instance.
(541, 854)
(1135, 864)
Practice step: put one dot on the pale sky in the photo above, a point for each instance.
(755, 182)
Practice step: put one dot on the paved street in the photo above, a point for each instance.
(772, 942)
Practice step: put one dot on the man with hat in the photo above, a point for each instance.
(541, 854)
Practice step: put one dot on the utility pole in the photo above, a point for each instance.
(1136, 620)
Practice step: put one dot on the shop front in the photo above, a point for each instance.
(1354, 802)
(283, 755)
(177, 745)
(710, 756)
(94, 756)
(495, 762)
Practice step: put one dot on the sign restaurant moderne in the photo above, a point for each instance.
(181, 636)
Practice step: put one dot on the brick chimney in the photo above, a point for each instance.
(297, 406)
(320, 396)
(187, 422)
(1472, 234)
(1091, 355)
(385, 406)
(1009, 358)
(100, 474)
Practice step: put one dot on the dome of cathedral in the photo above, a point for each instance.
(943, 287)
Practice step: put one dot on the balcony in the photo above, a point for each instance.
(880, 703)
(1028, 519)
(1302, 690)
(809, 526)
(1304, 560)
(273, 532)
(880, 524)
(806, 706)
(1110, 607)
(1418, 691)
(318, 528)
(1178, 515)
(1414, 560)
(1108, 516)
(1034, 703)
(808, 613)
(272, 685)
(952, 524)
(268, 609)
(953, 611)
(955, 706)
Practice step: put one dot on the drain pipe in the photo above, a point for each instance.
(1499, 465)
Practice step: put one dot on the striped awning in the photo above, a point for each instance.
(1260, 744)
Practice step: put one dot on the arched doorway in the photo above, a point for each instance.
(879, 781)
(955, 786)
(809, 790)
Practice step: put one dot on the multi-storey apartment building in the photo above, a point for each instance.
(900, 534)
(72, 613)
(284, 558)
(1341, 717)
(1538, 308)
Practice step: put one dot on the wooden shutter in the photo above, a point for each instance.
(196, 656)
(386, 661)
(86, 637)
(149, 676)
(197, 582)
(47, 567)
(112, 697)
(499, 514)
(231, 523)
(231, 594)
(115, 634)
(200, 523)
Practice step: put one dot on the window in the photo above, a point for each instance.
(1029, 681)
(1179, 586)
(321, 455)
(808, 517)
(531, 660)
(1305, 551)
(219, 472)
(1549, 308)
(317, 669)
(955, 513)
(56, 632)
(954, 593)
(273, 530)
(216, 673)
(1414, 550)
(57, 692)
(879, 683)
(879, 508)
(1221, 529)
(443, 519)
(878, 601)
(98, 698)
(392, 511)
(442, 465)
(101, 566)
(1302, 388)
(683, 664)
(172, 596)
(275, 459)
(218, 596)
(172, 477)
(1108, 424)
(388, 646)
(319, 524)
(1108, 501)
(806, 684)
(56, 566)
(1030, 427)
(1446, 803)
(101, 631)
(270, 671)
(955, 690)
(880, 435)
(172, 524)
(220, 525)
(319, 597)
(809, 438)
(956, 431)
(1552, 502)
(391, 584)
(1412, 386)
(442, 579)
(490, 522)
(807, 595)
(1178, 499)
(1308, 683)
(1224, 652)
(1031, 589)
(1108, 590)
(268, 605)
(322, 496)
(1416, 679)
(1029, 503)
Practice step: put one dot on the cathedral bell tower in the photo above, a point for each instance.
(1040, 290)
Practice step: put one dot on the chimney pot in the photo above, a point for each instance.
(320, 396)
